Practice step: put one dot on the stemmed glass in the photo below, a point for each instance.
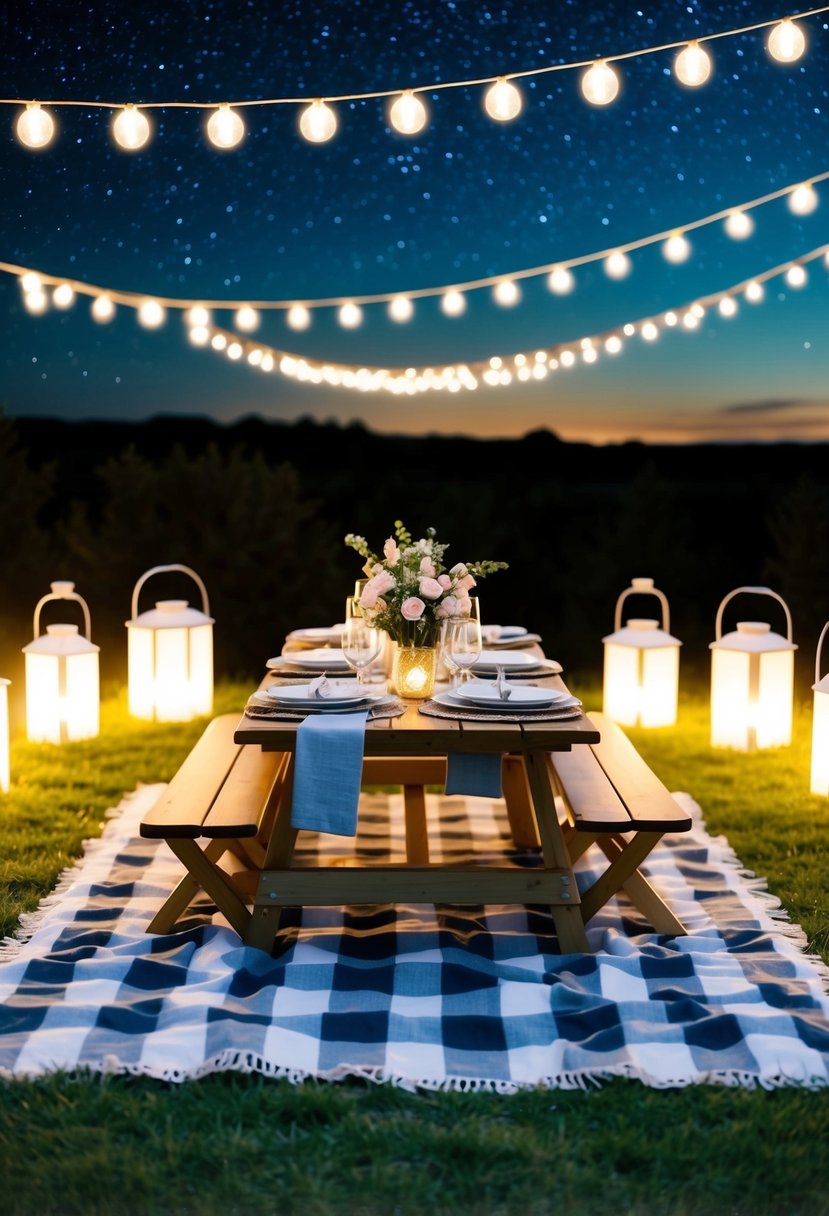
(462, 646)
(361, 644)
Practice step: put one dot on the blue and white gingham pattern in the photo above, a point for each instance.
(416, 995)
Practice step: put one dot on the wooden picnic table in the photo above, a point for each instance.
(234, 791)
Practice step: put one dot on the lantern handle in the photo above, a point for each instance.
(167, 570)
(823, 634)
(64, 591)
(643, 586)
(754, 591)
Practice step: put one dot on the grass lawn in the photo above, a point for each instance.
(245, 1145)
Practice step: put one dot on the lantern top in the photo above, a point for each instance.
(644, 586)
(61, 640)
(820, 686)
(170, 614)
(753, 637)
(643, 633)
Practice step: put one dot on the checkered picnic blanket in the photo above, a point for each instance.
(421, 996)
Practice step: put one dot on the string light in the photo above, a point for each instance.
(727, 306)
(677, 248)
(617, 265)
(63, 296)
(197, 316)
(35, 127)
(600, 84)
(317, 122)
(225, 128)
(350, 316)
(786, 42)
(506, 293)
(401, 309)
(560, 281)
(692, 66)
(803, 200)
(298, 317)
(150, 314)
(102, 309)
(247, 319)
(453, 304)
(131, 129)
(754, 291)
(796, 276)
(503, 101)
(739, 225)
(408, 114)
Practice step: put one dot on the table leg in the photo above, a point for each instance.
(567, 918)
(264, 923)
(519, 803)
(417, 839)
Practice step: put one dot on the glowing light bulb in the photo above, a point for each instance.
(739, 225)
(150, 314)
(218, 342)
(267, 363)
(247, 319)
(650, 332)
(197, 316)
(401, 309)
(613, 344)
(754, 292)
(317, 122)
(629, 329)
(617, 265)
(698, 310)
(255, 357)
(796, 276)
(63, 296)
(727, 306)
(670, 319)
(503, 101)
(676, 249)
(36, 302)
(199, 335)
(506, 293)
(31, 281)
(803, 199)
(560, 281)
(298, 317)
(102, 309)
(235, 350)
(690, 320)
(225, 128)
(590, 354)
(600, 84)
(453, 304)
(35, 127)
(786, 42)
(350, 316)
(567, 358)
(408, 114)
(692, 66)
(130, 129)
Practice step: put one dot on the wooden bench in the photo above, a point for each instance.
(227, 794)
(614, 799)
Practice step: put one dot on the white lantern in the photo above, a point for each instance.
(4, 736)
(820, 726)
(752, 681)
(170, 656)
(62, 679)
(641, 665)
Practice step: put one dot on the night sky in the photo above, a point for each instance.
(376, 212)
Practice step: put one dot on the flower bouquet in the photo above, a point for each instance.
(409, 591)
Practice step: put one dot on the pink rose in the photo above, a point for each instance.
(375, 586)
(464, 606)
(413, 608)
(391, 552)
(459, 570)
(431, 588)
(427, 567)
(466, 583)
(445, 581)
(446, 608)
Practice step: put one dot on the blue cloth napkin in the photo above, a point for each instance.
(476, 773)
(328, 767)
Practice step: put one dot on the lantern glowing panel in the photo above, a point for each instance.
(641, 666)
(820, 726)
(62, 677)
(4, 736)
(752, 682)
(170, 656)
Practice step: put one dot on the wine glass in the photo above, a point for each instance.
(361, 645)
(463, 646)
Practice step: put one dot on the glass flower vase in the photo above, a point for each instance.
(413, 671)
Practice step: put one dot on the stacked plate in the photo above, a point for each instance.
(325, 635)
(516, 663)
(482, 695)
(341, 696)
(325, 658)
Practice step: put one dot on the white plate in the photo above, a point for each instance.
(340, 692)
(502, 633)
(490, 659)
(453, 701)
(328, 658)
(484, 692)
(319, 634)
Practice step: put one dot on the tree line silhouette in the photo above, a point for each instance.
(260, 510)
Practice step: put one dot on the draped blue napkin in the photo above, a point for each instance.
(475, 773)
(328, 768)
